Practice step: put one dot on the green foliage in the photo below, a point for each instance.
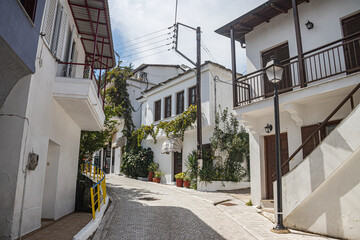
(137, 161)
(153, 167)
(233, 140)
(179, 125)
(249, 203)
(192, 166)
(92, 141)
(159, 174)
(207, 172)
(187, 177)
(143, 132)
(180, 175)
(118, 96)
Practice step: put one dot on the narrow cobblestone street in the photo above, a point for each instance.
(145, 210)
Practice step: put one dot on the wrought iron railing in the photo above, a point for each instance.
(98, 190)
(333, 59)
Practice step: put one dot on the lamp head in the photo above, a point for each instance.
(274, 71)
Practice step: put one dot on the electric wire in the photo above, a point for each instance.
(119, 44)
(148, 55)
(146, 50)
(168, 33)
(165, 39)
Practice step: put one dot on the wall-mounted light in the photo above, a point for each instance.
(268, 128)
(309, 25)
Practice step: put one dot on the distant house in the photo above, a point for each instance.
(49, 94)
(317, 42)
(144, 77)
(166, 100)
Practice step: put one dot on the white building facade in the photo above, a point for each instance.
(328, 47)
(45, 114)
(169, 93)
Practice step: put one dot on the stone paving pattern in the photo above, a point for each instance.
(180, 213)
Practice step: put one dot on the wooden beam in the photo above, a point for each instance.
(278, 7)
(262, 17)
(247, 26)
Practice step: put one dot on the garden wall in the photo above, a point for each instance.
(221, 185)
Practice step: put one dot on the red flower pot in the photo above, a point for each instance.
(179, 182)
(154, 180)
(187, 184)
(158, 179)
(151, 174)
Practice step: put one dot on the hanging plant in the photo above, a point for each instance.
(143, 132)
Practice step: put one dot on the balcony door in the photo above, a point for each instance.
(281, 53)
(351, 25)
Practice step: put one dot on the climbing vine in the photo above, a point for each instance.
(143, 132)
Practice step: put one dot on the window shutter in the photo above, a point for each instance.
(49, 21)
(60, 46)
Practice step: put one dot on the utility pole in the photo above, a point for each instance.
(198, 83)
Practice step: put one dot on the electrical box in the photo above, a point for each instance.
(33, 161)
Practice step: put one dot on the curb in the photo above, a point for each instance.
(91, 227)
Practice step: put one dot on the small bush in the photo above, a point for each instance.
(136, 162)
(249, 203)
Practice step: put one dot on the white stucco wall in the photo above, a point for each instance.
(33, 99)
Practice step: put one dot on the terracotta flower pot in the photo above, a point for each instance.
(179, 182)
(187, 184)
(151, 174)
(154, 180)
(158, 179)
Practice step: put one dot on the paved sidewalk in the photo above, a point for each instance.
(64, 229)
(145, 210)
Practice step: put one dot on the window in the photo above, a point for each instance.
(167, 112)
(192, 96)
(54, 28)
(179, 102)
(30, 8)
(351, 26)
(281, 53)
(157, 110)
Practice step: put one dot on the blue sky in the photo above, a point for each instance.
(131, 19)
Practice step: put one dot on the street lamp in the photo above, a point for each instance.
(274, 71)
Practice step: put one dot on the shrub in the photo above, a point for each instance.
(136, 162)
(159, 174)
(153, 167)
(207, 172)
(192, 165)
(180, 175)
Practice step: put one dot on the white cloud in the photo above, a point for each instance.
(134, 18)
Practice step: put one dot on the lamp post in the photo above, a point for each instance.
(274, 71)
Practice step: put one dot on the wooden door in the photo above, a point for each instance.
(315, 140)
(270, 161)
(281, 53)
(177, 163)
(351, 25)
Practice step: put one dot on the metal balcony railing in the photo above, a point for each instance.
(336, 58)
(98, 190)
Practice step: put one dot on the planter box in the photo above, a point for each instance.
(221, 185)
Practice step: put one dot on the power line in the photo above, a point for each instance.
(144, 36)
(207, 50)
(165, 39)
(149, 55)
(145, 40)
(146, 50)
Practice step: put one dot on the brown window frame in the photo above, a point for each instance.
(180, 105)
(157, 107)
(192, 90)
(167, 107)
(30, 8)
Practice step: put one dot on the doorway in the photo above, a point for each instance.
(270, 161)
(351, 26)
(177, 163)
(50, 182)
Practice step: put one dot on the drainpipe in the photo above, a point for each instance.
(22, 203)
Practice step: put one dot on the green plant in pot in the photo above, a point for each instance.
(153, 167)
(179, 179)
(158, 175)
(187, 180)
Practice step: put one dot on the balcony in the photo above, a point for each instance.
(79, 95)
(330, 61)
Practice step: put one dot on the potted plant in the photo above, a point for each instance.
(158, 175)
(179, 179)
(153, 167)
(187, 180)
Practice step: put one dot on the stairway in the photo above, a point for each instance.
(322, 193)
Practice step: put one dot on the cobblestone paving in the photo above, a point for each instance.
(178, 213)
